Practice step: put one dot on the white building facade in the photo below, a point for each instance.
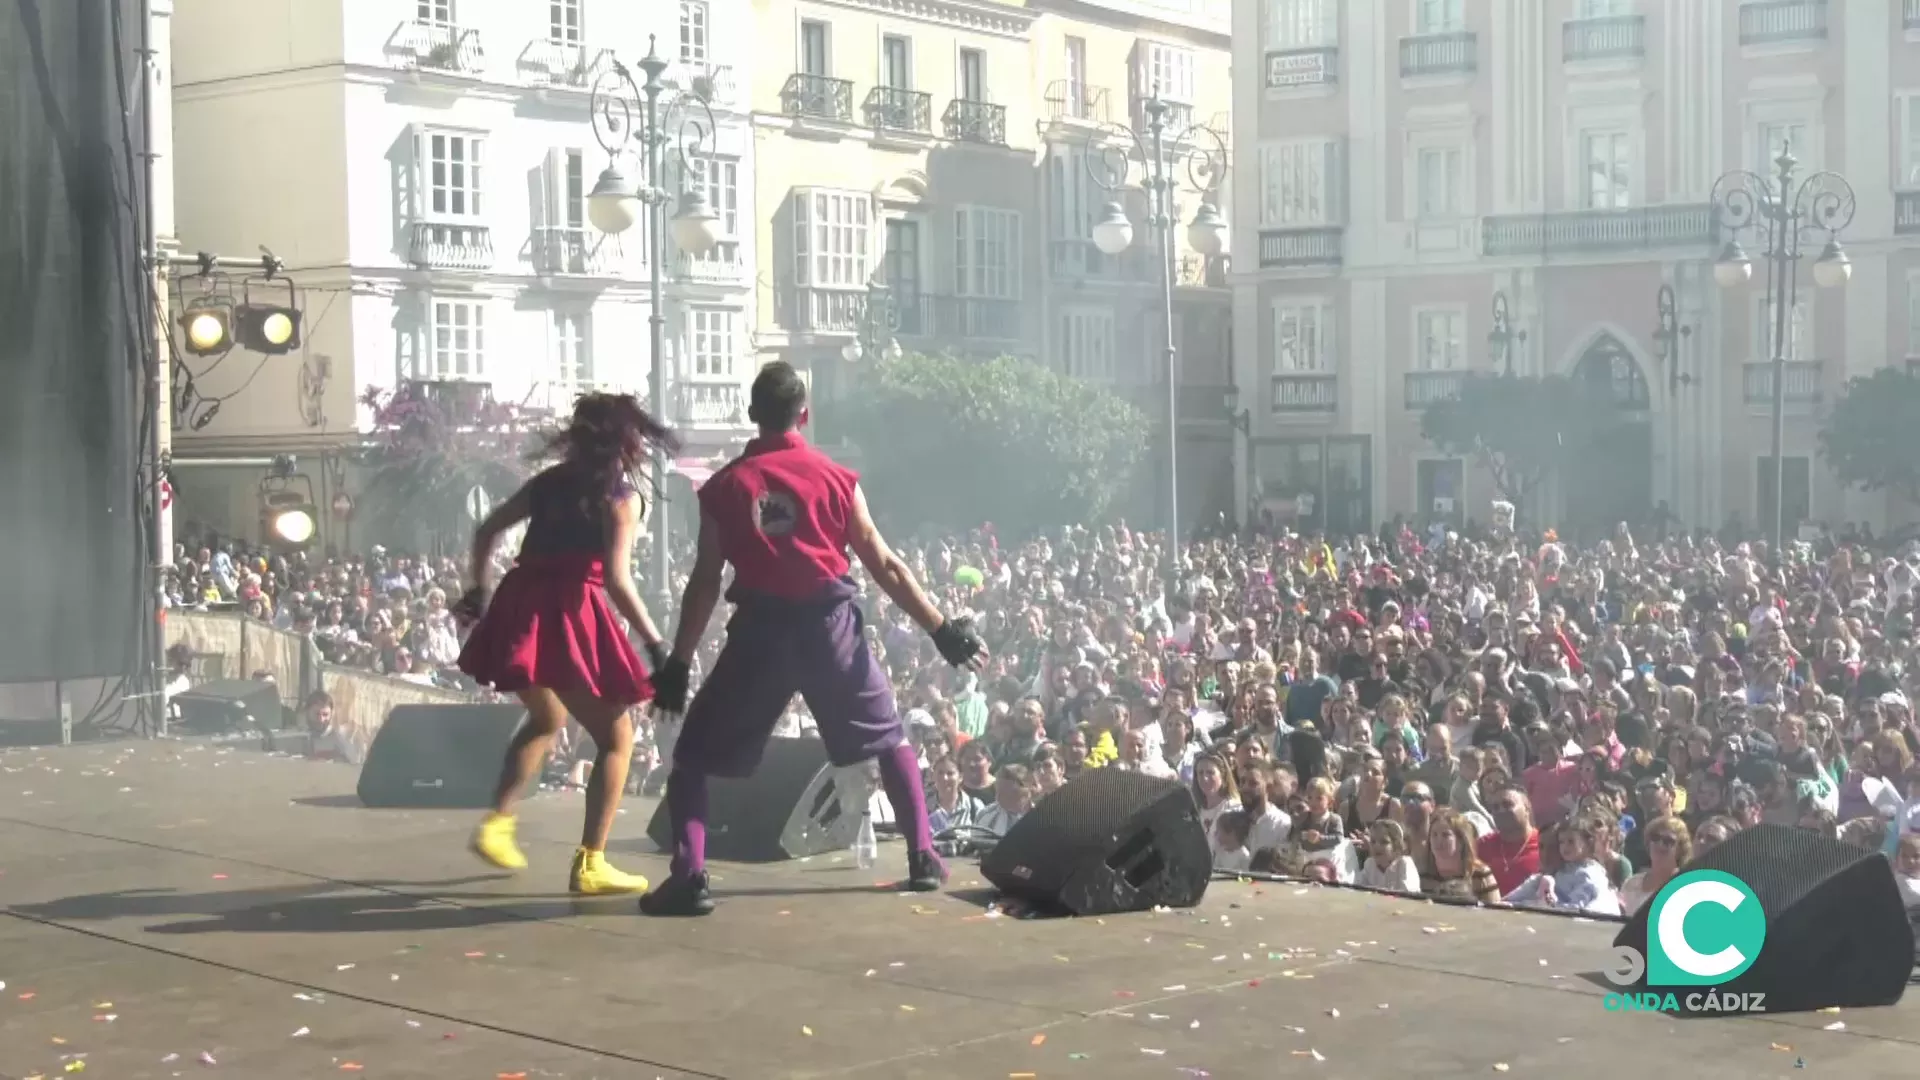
(422, 169)
(1415, 165)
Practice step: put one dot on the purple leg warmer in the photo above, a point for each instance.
(900, 776)
(687, 810)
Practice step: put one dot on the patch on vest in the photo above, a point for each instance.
(775, 513)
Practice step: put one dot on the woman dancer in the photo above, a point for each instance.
(548, 634)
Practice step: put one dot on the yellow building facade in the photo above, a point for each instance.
(957, 154)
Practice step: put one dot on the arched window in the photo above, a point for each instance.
(1610, 369)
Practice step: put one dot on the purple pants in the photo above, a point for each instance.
(775, 649)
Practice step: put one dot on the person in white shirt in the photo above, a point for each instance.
(1136, 755)
(1388, 866)
(1229, 842)
(1906, 870)
(1267, 825)
(1012, 798)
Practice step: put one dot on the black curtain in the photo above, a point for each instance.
(74, 600)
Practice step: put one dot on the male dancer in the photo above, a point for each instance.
(784, 514)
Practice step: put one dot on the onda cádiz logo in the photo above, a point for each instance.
(1703, 930)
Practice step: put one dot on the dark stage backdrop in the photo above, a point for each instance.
(71, 292)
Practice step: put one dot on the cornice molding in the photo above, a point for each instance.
(980, 16)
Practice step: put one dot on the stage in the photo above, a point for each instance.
(177, 908)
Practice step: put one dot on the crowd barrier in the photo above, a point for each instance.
(228, 645)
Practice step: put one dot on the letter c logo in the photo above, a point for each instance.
(1713, 909)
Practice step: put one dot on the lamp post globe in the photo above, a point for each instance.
(1733, 269)
(614, 206)
(1207, 233)
(1114, 233)
(1833, 268)
(696, 228)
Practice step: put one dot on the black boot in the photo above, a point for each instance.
(925, 871)
(679, 896)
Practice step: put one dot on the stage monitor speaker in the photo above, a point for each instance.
(229, 705)
(1107, 842)
(1837, 929)
(444, 756)
(788, 809)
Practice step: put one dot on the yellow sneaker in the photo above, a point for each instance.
(594, 876)
(494, 842)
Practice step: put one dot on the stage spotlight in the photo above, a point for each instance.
(208, 322)
(272, 328)
(289, 519)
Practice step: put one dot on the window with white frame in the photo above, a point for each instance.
(832, 234)
(1439, 16)
(1607, 156)
(718, 179)
(1302, 337)
(456, 339)
(434, 12)
(1799, 338)
(1909, 159)
(1441, 175)
(986, 252)
(572, 351)
(1073, 200)
(563, 23)
(452, 167)
(693, 31)
(1167, 70)
(1300, 183)
(567, 189)
(1603, 9)
(1301, 24)
(1440, 340)
(1773, 136)
(710, 342)
(1086, 343)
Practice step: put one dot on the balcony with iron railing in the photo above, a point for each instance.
(545, 63)
(1194, 271)
(464, 402)
(1430, 55)
(1080, 260)
(1677, 226)
(1606, 37)
(1288, 68)
(703, 403)
(975, 122)
(723, 265)
(1906, 212)
(1176, 117)
(714, 83)
(830, 310)
(1803, 383)
(1782, 22)
(1301, 246)
(1073, 102)
(569, 252)
(1428, 388)
(889, 108)
(437, 47)
(941, 318)
(1298, 392)
(818, 97)
(450, 245)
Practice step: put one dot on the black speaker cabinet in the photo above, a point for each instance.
(440, 756)
(1107, 842)
(216, 708)
(1837, 929)
(788, 809)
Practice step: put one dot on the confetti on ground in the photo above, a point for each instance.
(1062, 959)
(898, 964)
(302, 1032)
(1335, 1013)
(1195, 1024)
(1564, 1040)
(349, 967)
(28, 996)
(475, 955)
(1831, 1009)
(512, 1076)
(169, 1059)
(413, 1023)
(1019, 1076)
(1500, 1067)
(207, 1059)
(1123, 993)
(352, 1066)
(1837, 1025)
(806, 1031)
(1174, 989)
(58, 1041)
(1781, 1047)
(103, 1004)
(1078, 1057)
(871, 973)
(219, 877)
(907, 1008)
(1038, 1040)
(105, 1018)
(1543, 963)
(1153, 1053)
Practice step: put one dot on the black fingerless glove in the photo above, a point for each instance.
(670, 686)
(657, 655)
(957, 642)
(471, 605)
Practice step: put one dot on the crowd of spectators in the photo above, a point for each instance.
(1474, 714)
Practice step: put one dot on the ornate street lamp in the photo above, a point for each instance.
(1668, 338)
(1503, 337)
(617, 204)
(1820, 206)
(1109, 164)
(876, 318)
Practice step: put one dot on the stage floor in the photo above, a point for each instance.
(179, 909)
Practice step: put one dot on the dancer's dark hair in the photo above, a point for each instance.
(607, 438)
(778, 397)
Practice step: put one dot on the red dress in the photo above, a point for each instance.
(549, 622)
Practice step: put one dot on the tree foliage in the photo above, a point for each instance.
(1871, 437)
(428, 451)
(1520, 428)
(954, 442)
